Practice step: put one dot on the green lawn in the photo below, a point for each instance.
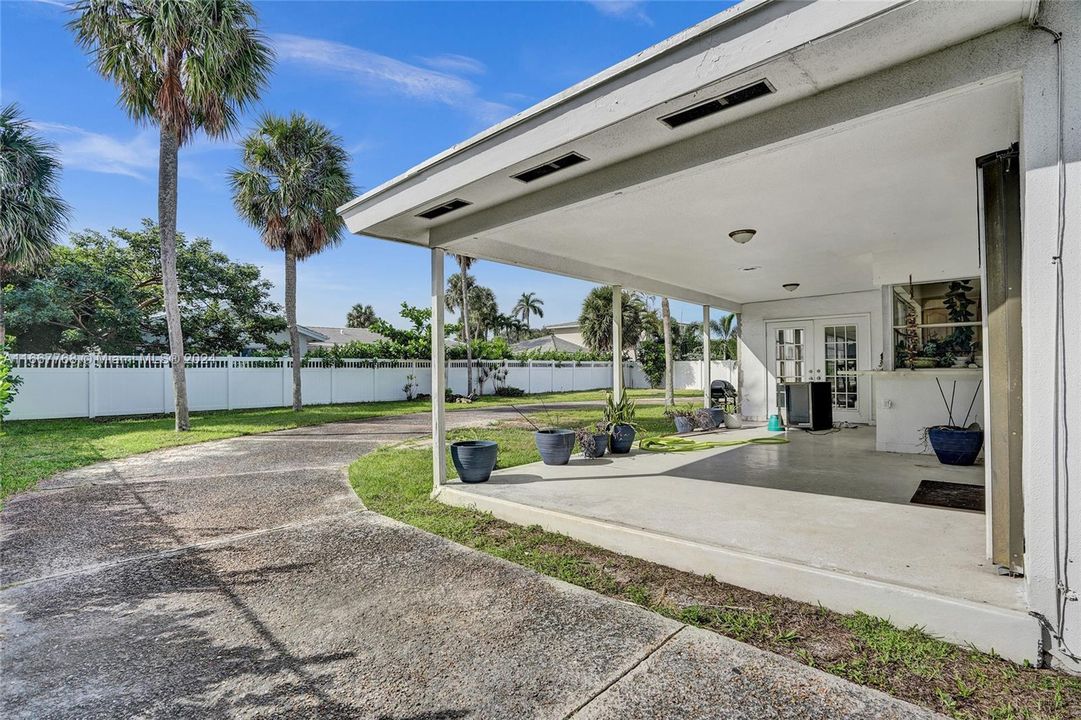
(907, 663)
(31, 450)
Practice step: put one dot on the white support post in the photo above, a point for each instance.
(706, 360)
(91, 386)
(439, 377)
(617, 343)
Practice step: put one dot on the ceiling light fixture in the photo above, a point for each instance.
(751, 267)
(790, 287)
(742, 236)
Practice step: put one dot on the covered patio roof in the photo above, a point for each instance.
(871, 171)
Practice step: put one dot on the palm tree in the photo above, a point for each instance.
(360, 316)
(461, 302)
(184, 66)
(596, 319)
(666, 320)
(31, 211)
(528, 304)
(295, 176)
(726, 330)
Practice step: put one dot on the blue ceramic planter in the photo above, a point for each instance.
(622, 439)
(555, 446)
(474, 459)
(600, 446)
(955, 446)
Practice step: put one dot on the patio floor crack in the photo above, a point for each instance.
(627, 671)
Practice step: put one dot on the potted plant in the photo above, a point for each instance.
(717, 413)
(474, 459)
(554, 445)
(732, 420)
(619, 420)
(683, 417)
(703, 418)
(593, 440)
(956, 444)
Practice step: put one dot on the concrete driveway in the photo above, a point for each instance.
(243, 578)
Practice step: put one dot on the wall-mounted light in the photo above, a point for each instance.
(790, 287)
(742, 236)
(749, 268)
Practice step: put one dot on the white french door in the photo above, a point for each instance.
(828, 349)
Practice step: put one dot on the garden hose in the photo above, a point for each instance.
(674, 443)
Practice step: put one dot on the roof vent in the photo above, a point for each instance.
(438, 210)
(554, 166)
(715, 105)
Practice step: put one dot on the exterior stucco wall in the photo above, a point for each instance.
(1049, 403)
(754, 378)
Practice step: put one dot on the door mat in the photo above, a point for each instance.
(951, 495)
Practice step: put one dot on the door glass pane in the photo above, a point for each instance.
(840, 345)
(788, 362)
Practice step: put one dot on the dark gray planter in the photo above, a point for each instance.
(718, 416)
(555, 446)
(600, 446)
(683, 424)
(954, 445)
(474, 459)
(622, 439)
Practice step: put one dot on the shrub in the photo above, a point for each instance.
(509, 391)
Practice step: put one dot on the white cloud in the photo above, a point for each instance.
(454, 63)
(373, 71)
(136, 156)
(623, 9)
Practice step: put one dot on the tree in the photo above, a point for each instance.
(31, 211)
(184, 66)
(483, 311)
(596, 319)
(460, 301)
(726, 330)
(528, 304)
(295, 177)
(360, 316)
(104, 291)
(666, 319)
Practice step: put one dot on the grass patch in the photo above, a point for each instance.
(906, 663)
(31, 450)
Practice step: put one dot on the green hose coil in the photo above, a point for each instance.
(673, 443)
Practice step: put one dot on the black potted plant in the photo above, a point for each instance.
(474, 459)
(593, 440)
(956, 444)
(682, 416)
(619, 419)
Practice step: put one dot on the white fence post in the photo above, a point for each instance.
(285, 388)
(529, 378)
(229, 382)
(91, 386)
(331, 382)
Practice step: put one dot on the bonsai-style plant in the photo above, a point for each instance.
(958, 304)
(910, 341)
(619, 420)
(593, 439)
(956, 444)
(683, 416)
(704, 419)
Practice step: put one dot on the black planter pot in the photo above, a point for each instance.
(683, 424)
(955, 446)
(555, 446)
(474, 459)
(622, 439)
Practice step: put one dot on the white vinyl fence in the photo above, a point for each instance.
(59, 386)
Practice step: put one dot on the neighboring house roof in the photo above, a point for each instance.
(340, 335)
(572, 325)
(310, 333)
(548, 342)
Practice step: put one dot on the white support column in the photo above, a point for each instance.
(617, 343)
(439, 376)
(706, 360)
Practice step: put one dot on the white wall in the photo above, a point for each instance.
(909, 401)
(56, 386)
(754, 375)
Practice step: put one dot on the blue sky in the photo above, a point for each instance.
(398, 81)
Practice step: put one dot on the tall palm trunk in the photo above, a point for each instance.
(3, 326)
(167, 174)
(666, 320)
(291, 321)
(465, 333)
